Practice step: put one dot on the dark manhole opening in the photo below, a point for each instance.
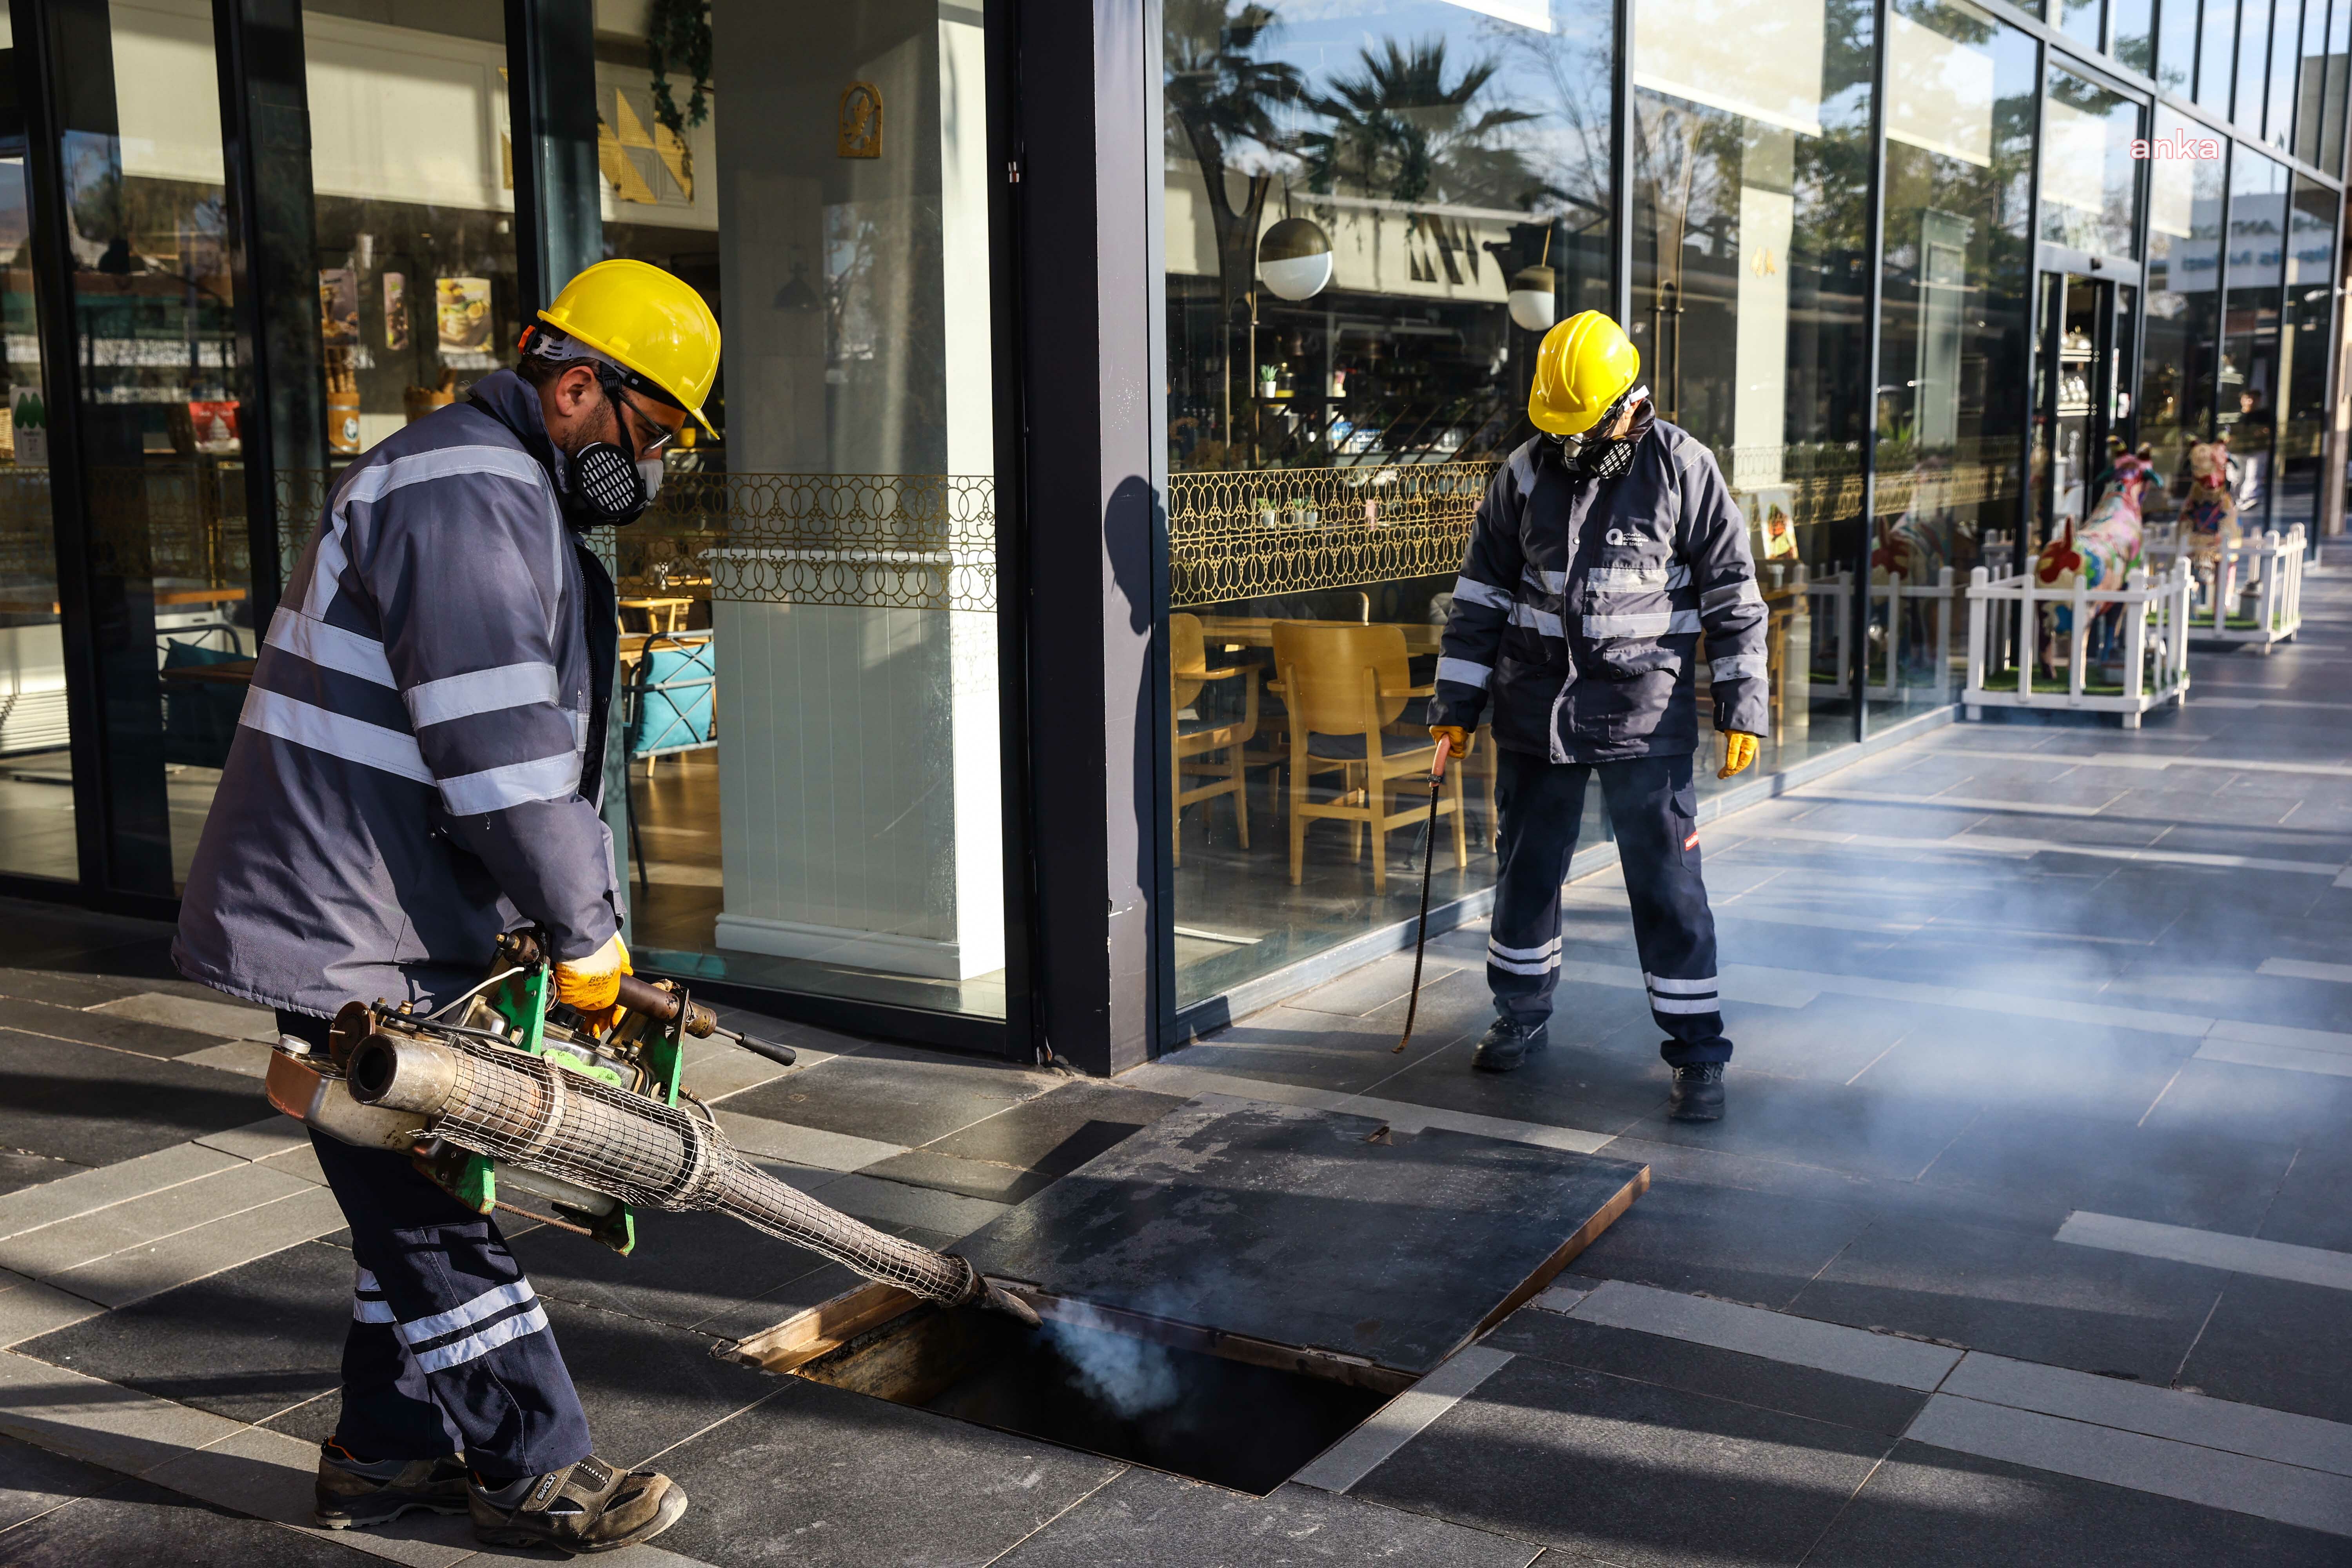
(1241, 1414)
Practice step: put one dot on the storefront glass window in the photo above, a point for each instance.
(2182, 334)
(2250, 332)
(1751, 257)
(2090, 180)
(2217, 54)
(2255, 61)
(2176, 46)
(2079, 20)
(2278, 102)
(1953, 336)
(2132, 24)
(2305, 334)
(2337, 76)
(412, 169)
(162, 461)
(2310, 82)
(1373, 210)
(809, 611)
(36, 801)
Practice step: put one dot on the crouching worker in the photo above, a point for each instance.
(418, 769)
(1603, 548)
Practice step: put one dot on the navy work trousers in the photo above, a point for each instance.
(1653, 808)
(449, 1348)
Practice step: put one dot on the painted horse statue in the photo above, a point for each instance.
(2101, 553)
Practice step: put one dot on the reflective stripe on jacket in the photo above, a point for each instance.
(1581, 603)
(408, 778)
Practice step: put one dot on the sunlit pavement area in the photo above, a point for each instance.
(2025, 1240)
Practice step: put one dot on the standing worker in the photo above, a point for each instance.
(1602, 548)
(417, 769)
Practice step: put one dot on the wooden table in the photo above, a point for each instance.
(1257, 631)
(230, 671)
(671, 609)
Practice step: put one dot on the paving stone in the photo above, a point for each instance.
(95, 1106)
(138, 1272)
(1014, 1154)
(890, 1095)
(1933, 1508)
(2310, 1209)
(826, 1478)
(2017, 1296)
(137, 1522)
(123, 1034)
(645, 1385)
(246, 1343)
(33, 1481)
(687, 1268)
(68, 1244)
(20, 1171)
(218, 1018)
(2059, 1162)
(1660, 1476)
(1754, 1246)
(1819, 1395)
(2276, 1342)
(1148, 1519)
(1858, 1129)
(85, 1191)
(60, 990)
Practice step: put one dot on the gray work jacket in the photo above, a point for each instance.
(1581, 603)
(407, 777)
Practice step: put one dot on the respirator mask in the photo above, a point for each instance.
(1589, 452)
(607, 484)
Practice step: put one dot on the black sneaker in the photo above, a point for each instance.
(1507, 1043)
(586, 1507)
(355, 1493)
(1697, 1094)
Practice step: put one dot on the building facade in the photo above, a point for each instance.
(1107, 393)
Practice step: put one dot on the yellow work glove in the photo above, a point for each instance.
(590, 985)
(1457, 739)
(1738, 750)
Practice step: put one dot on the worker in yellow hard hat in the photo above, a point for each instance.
(419, 768)
(1605, 546)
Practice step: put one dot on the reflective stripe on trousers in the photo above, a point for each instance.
(1653, 807)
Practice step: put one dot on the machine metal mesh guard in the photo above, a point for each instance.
(523, 1110)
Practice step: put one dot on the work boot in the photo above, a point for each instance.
(359, 1492)
(1507, 1043)
(586, 1507)
(1697, 1094)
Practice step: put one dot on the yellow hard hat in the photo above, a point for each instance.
(648, 322)
(1585, 364)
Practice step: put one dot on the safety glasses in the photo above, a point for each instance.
(648, 436)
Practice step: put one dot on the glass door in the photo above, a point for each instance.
(37, 797)
(2083, 414)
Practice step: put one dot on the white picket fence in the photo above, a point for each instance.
(2268, 572)
(1902, 642)
(2006, 633)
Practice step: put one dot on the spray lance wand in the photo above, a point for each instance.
(503, 1092)
(1428, 855)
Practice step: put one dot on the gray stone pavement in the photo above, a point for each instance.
(2026, 1239)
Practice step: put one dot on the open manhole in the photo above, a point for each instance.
(1229, 1293)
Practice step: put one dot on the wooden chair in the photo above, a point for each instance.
(1202, 746)
(1345, 686)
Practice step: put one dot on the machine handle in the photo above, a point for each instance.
(659, 1003)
